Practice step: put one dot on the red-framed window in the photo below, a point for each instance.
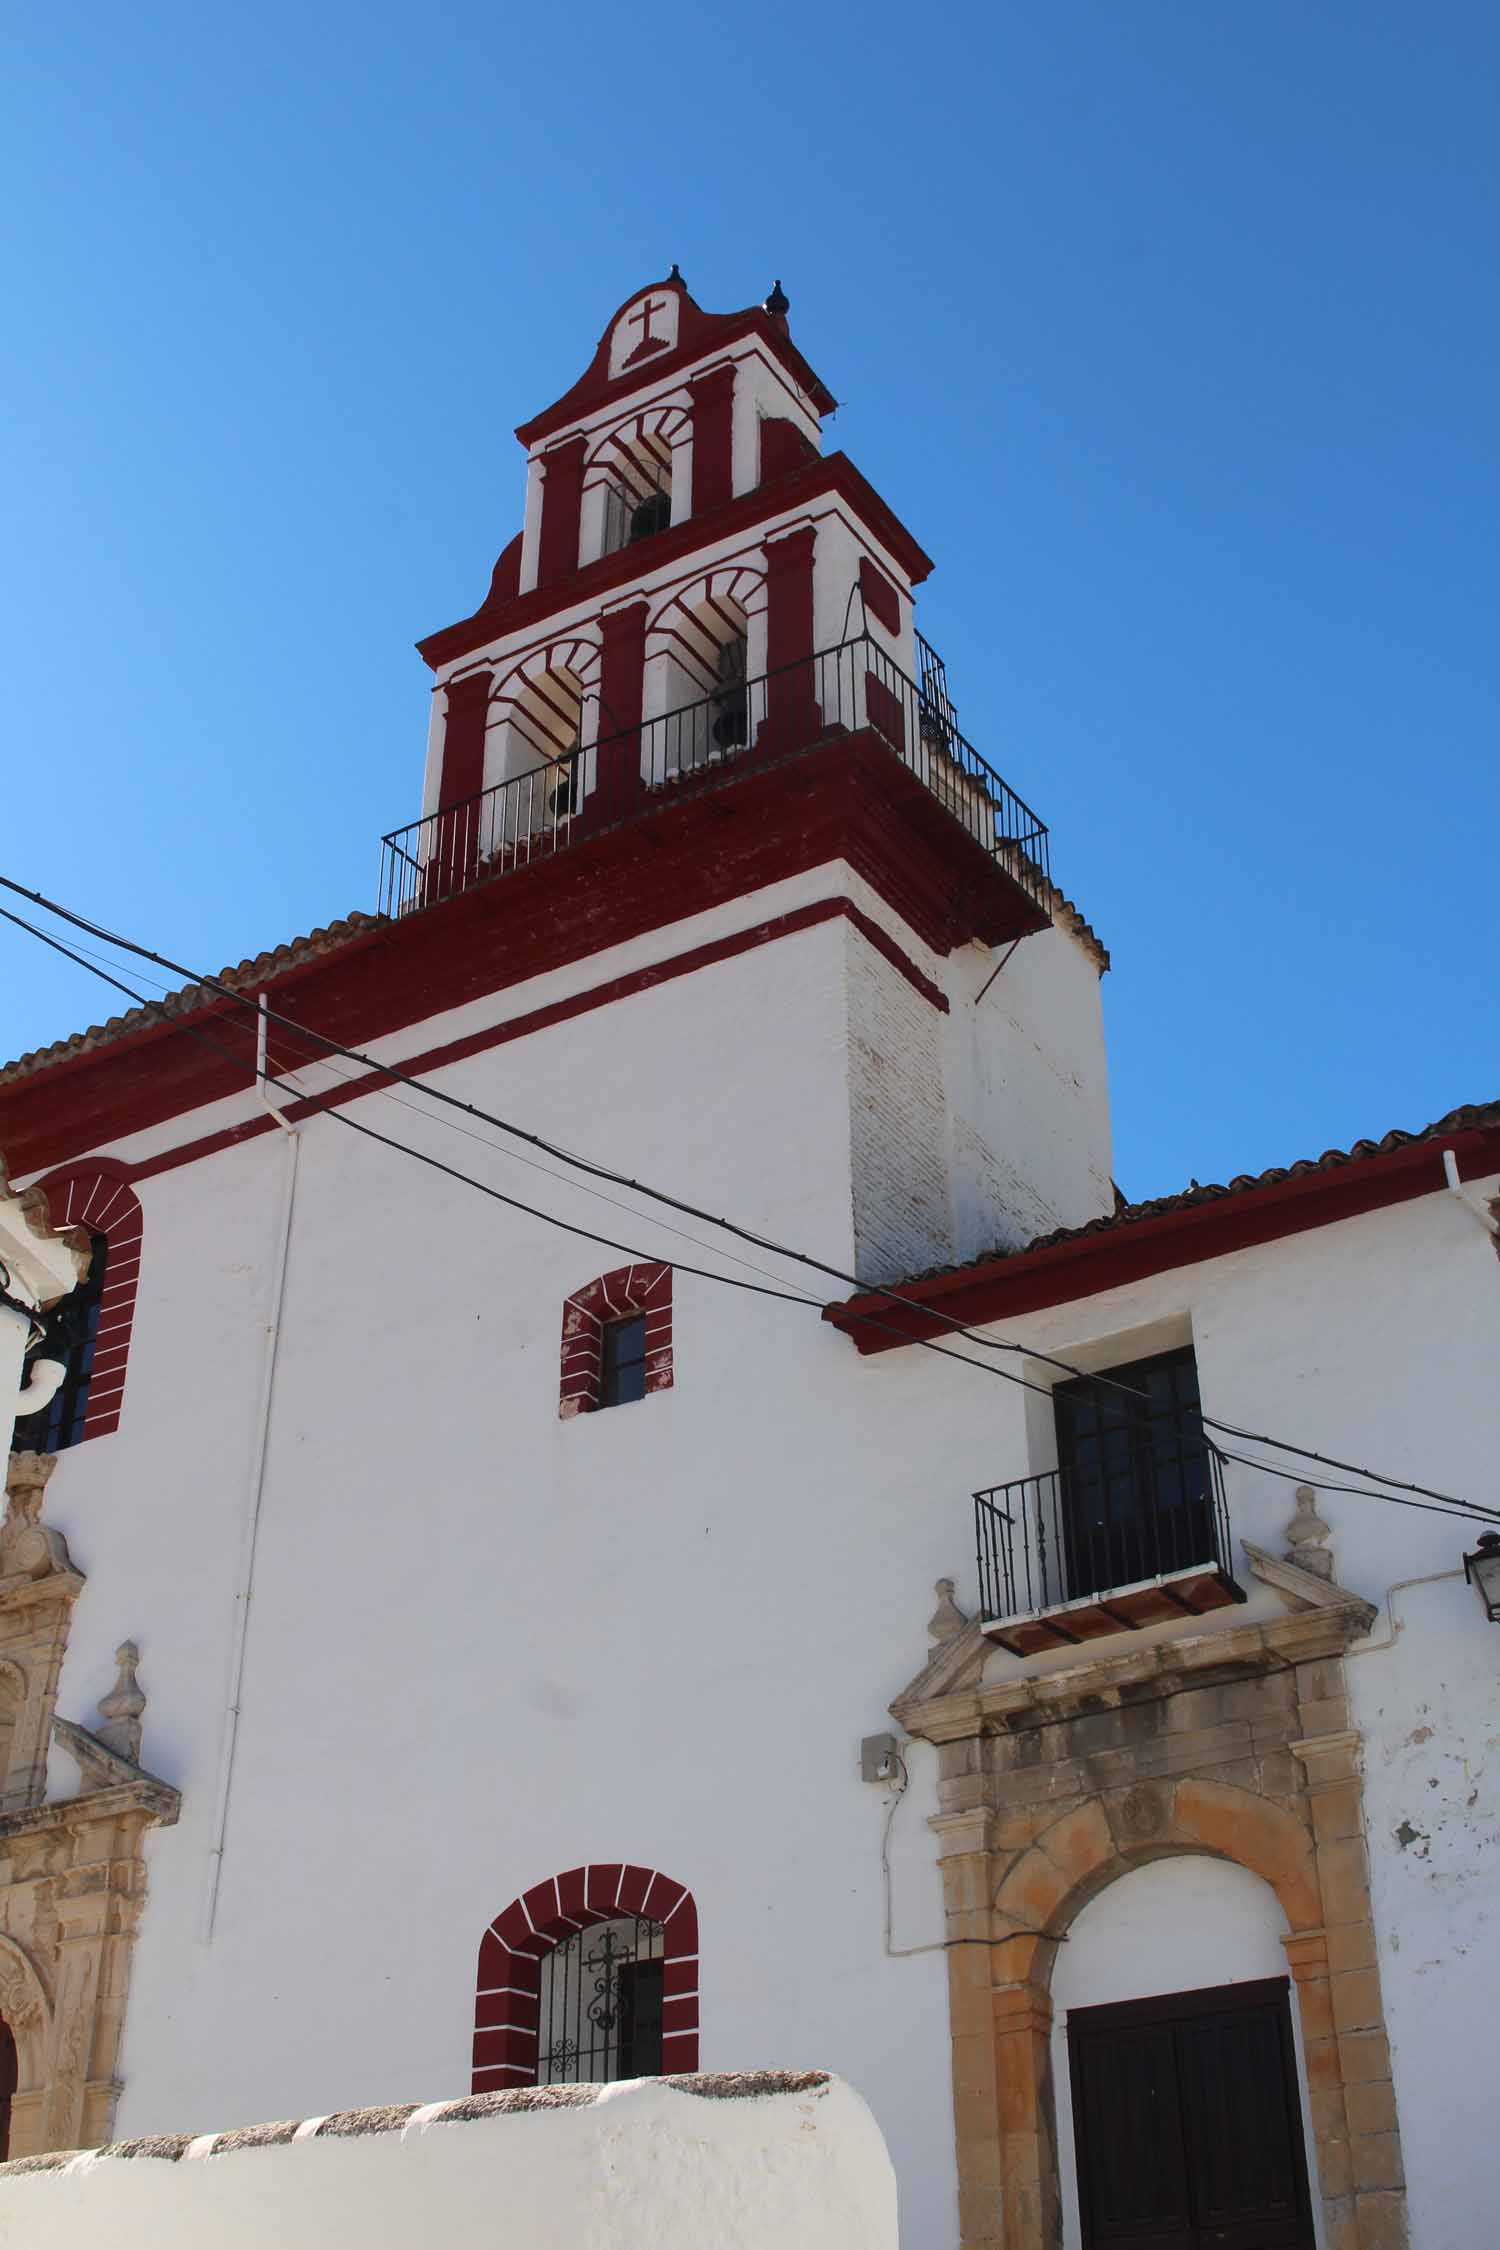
(93, 1324)
(616, 1340)
(608, 1940)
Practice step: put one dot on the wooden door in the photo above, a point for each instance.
(1187, 2124)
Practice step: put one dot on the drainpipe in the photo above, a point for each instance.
(255, 1493)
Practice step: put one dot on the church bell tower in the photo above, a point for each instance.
(696, 675)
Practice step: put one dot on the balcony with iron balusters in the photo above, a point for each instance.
(1068, 1557)
(744, 730)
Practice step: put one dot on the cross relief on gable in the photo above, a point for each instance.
(645, 328)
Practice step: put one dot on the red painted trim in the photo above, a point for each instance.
(698, 334)
(561, 1011)
(562, 506)
(789, 635)
(1085, 1266)
(463, 737)
(622, 684)
(848, 800)
(713, 425)
(783, 447)
(507, 2001)
(833, 473)
(97, 1196)
(881, 598)
(639, 1288)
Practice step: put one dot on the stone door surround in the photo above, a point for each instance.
(1235, 1743)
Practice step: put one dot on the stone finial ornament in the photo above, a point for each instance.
(121, 1709)
(778, 303)
(947, 1619)
(28, 1549)
(1307, 1536)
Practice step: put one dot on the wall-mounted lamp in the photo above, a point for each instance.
(1482, 1569)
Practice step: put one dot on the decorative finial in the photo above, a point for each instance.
(121, 1709)
(676, 274)
(947, 1619)
(778, 302)
(1307, 1536)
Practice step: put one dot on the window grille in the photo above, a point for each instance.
(601, 2005)
(72, 1332)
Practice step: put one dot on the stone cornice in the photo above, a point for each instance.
(134, 1792)
(1136, 1674)
(1305, 1588)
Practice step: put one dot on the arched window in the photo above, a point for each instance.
(89, 1329)
(588, 1978)
(72, 1336)
(616, 1340)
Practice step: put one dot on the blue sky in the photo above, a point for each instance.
(1169, 328)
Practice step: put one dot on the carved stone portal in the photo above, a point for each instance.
(72, 1872)
(1236, 1743)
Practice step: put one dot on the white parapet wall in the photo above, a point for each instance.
(718, 2162)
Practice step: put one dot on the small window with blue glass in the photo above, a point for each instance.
(622, 1361)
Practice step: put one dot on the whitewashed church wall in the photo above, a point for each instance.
(647, 1612)
(1177, 1925)
(486, 1645)
(1028, 1086)
(1375, 1340)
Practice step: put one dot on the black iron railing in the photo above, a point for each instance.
(743, 727)
(1063, 1536)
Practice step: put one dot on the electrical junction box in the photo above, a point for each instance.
(877, 1757)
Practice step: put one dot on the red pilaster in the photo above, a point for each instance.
(622, 679)
(562, 507)
(791, 705)
(713, 439)
(456, 851)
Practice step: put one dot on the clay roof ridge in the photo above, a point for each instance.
(189, 997)
(1467, 1117)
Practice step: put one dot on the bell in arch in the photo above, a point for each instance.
(650, 516)
(731, 698)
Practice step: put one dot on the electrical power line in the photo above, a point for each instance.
(337, 1117)
(566, 1156)
(1441, 1502)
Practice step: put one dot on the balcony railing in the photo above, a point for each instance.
(1066, 1558)
(741, 729)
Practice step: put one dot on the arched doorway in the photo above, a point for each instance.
(1181, 2098)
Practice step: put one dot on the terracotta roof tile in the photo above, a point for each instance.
(1464, 1119)
(188, 998)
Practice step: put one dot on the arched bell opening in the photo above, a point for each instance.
(542, 756)
(638, 489)
(704, 689)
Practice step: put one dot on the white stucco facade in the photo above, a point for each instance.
(486, 1645)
